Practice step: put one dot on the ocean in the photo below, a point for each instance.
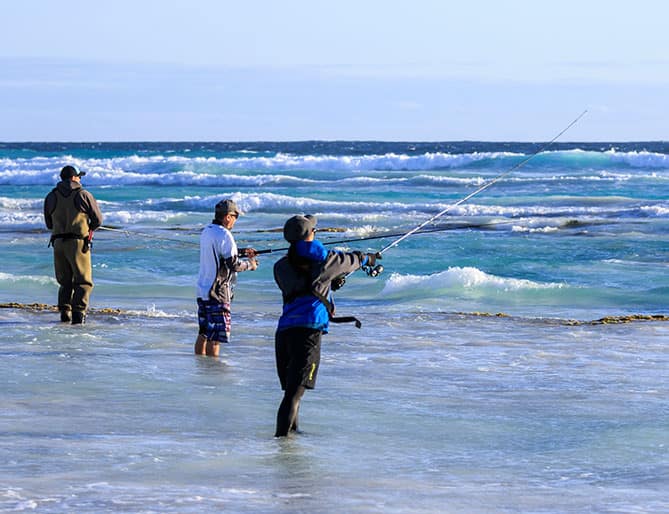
(513, 355)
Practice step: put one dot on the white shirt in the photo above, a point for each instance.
(216, 244)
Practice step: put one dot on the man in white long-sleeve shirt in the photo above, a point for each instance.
(219, 264)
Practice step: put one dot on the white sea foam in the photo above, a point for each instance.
(390, 161)
(531, 230)
(659, 211)
(271, 202)
(18, 204)
(206, 179)
(36, 279)
(399, 285)
(125, 217)
(31, 220)
(363, 231)
(640, 159)
(152, 312)
(18, 219)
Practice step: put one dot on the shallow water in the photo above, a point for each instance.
(467, 414)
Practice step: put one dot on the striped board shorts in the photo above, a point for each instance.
(214, 320)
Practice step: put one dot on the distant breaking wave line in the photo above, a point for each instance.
(280, 161)
(188, 178)
(182, 170)
(20, 210)
(271, 202)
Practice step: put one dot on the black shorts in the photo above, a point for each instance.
(298, 354)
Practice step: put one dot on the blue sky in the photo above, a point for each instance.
(148, 70)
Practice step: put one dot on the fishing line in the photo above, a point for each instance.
(480, 189)
(149, 236)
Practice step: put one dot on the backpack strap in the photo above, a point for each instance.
(329, 306)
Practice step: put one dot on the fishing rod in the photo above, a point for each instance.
(419, 229)
(376, 270)
(392, 234)
(129, 233)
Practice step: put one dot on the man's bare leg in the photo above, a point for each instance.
(201, 345)
(213, 348)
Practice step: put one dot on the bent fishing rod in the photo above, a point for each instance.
(482, 188)
(460, 226)
(374, 271)
(419, 229)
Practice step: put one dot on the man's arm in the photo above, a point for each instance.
(90, 207)
(49, 206)
(234, 263)
(339, 263)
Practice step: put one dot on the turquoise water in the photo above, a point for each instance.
(436, 405)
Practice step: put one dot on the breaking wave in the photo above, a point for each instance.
(456, 278)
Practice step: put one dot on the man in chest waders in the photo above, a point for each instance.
(72, 214)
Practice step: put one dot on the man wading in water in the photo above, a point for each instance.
(219, 265)
(72, 214)
(305, 277)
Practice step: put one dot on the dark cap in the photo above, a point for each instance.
(70, 171)
(226, 207)
(299, 227)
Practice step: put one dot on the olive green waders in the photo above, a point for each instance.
(71, 258)
(74, 275)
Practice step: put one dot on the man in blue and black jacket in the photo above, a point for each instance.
(305, 277)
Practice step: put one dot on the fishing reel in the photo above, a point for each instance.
(338, 282)
(373, 271)
(372, 268)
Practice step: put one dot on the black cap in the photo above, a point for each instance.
(299, 227)
(70, 171)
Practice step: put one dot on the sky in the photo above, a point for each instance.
(419, 70)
